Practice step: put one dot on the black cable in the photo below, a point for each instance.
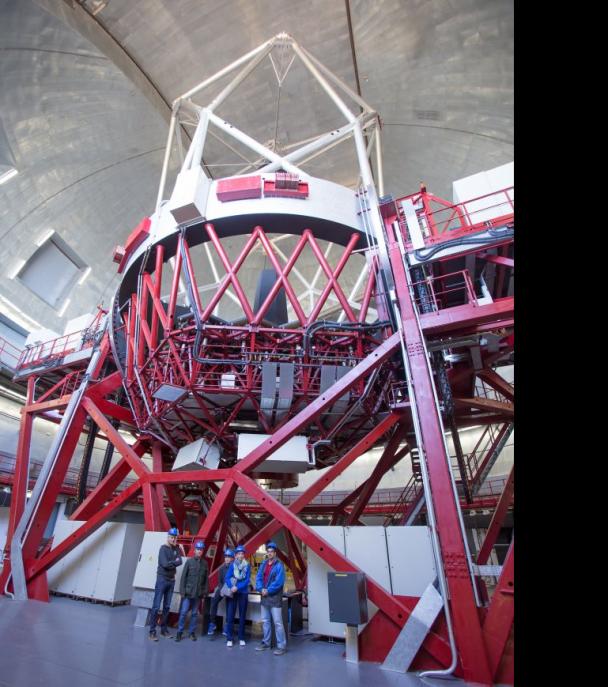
(495, 232)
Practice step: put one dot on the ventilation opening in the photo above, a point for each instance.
(51, 271)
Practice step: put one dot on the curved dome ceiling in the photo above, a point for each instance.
(86, 87)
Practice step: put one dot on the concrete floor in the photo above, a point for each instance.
(76, 644)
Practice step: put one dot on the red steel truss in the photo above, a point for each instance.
(205, 357)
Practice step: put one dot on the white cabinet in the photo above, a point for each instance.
(100, 567)
(147, 564)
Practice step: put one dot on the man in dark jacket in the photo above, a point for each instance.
(217, 597)
(270, 581)
(193, 588)
(169, 558)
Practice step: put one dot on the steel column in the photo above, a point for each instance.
(467, 627)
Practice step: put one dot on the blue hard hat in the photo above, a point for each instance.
(240, 547)
(271, 545)
(229, 552)
(173, 532)
(199, 544)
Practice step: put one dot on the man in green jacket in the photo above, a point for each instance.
(193, 588)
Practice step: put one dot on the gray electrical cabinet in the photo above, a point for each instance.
(347, 594)
(400, 559)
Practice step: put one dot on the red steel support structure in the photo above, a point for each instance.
(349, 372)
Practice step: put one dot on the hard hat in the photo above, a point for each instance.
(199, 545)
(173, 532)
(271, 545)
(229, 552)
(240, 547)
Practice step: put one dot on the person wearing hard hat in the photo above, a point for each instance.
(269, 582)
(237, 581)
(193, 588)
(217, 597)
(169, 559)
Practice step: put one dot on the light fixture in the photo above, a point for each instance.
(17, 267)
(64, 307)
(45, 237)
(29, 493)
(18, 316)
(85, 275)
(8, 175)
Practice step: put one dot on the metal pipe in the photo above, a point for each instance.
(239, 78)
(331, 137)
(338, 102)
(379, 164)
(229, 68)
(355, 96)
(253, 144)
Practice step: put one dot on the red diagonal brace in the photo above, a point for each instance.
(393, 609)
(499, 619)
(327, 478)
(497, 519)
(121, 445)
(332, 277)
(385, 463)
(102, 492)
(90, 526)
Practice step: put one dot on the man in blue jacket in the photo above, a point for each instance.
(269, 582)
(169, 558)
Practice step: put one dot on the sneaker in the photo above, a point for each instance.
(152, 636)
(241, 642)
(228, 643)
(192, 636)
(166, 633)
(211, 630)
(262, 647)
(278, 652)
(178, 636)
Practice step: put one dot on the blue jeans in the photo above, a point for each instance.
(277, 619)
(240, 598)
(192, 605)
(215, 602)
(163, 591)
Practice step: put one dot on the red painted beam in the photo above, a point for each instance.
(493, 379)
(502, 407)
(497, 259)
(463, 316)
(87, 528)
(499, 619)
(22, 461)
(396, 612)
(497, 519)
(102, 492)
(126, 451)
(334, 471)
(382, 466)
(467, 627)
